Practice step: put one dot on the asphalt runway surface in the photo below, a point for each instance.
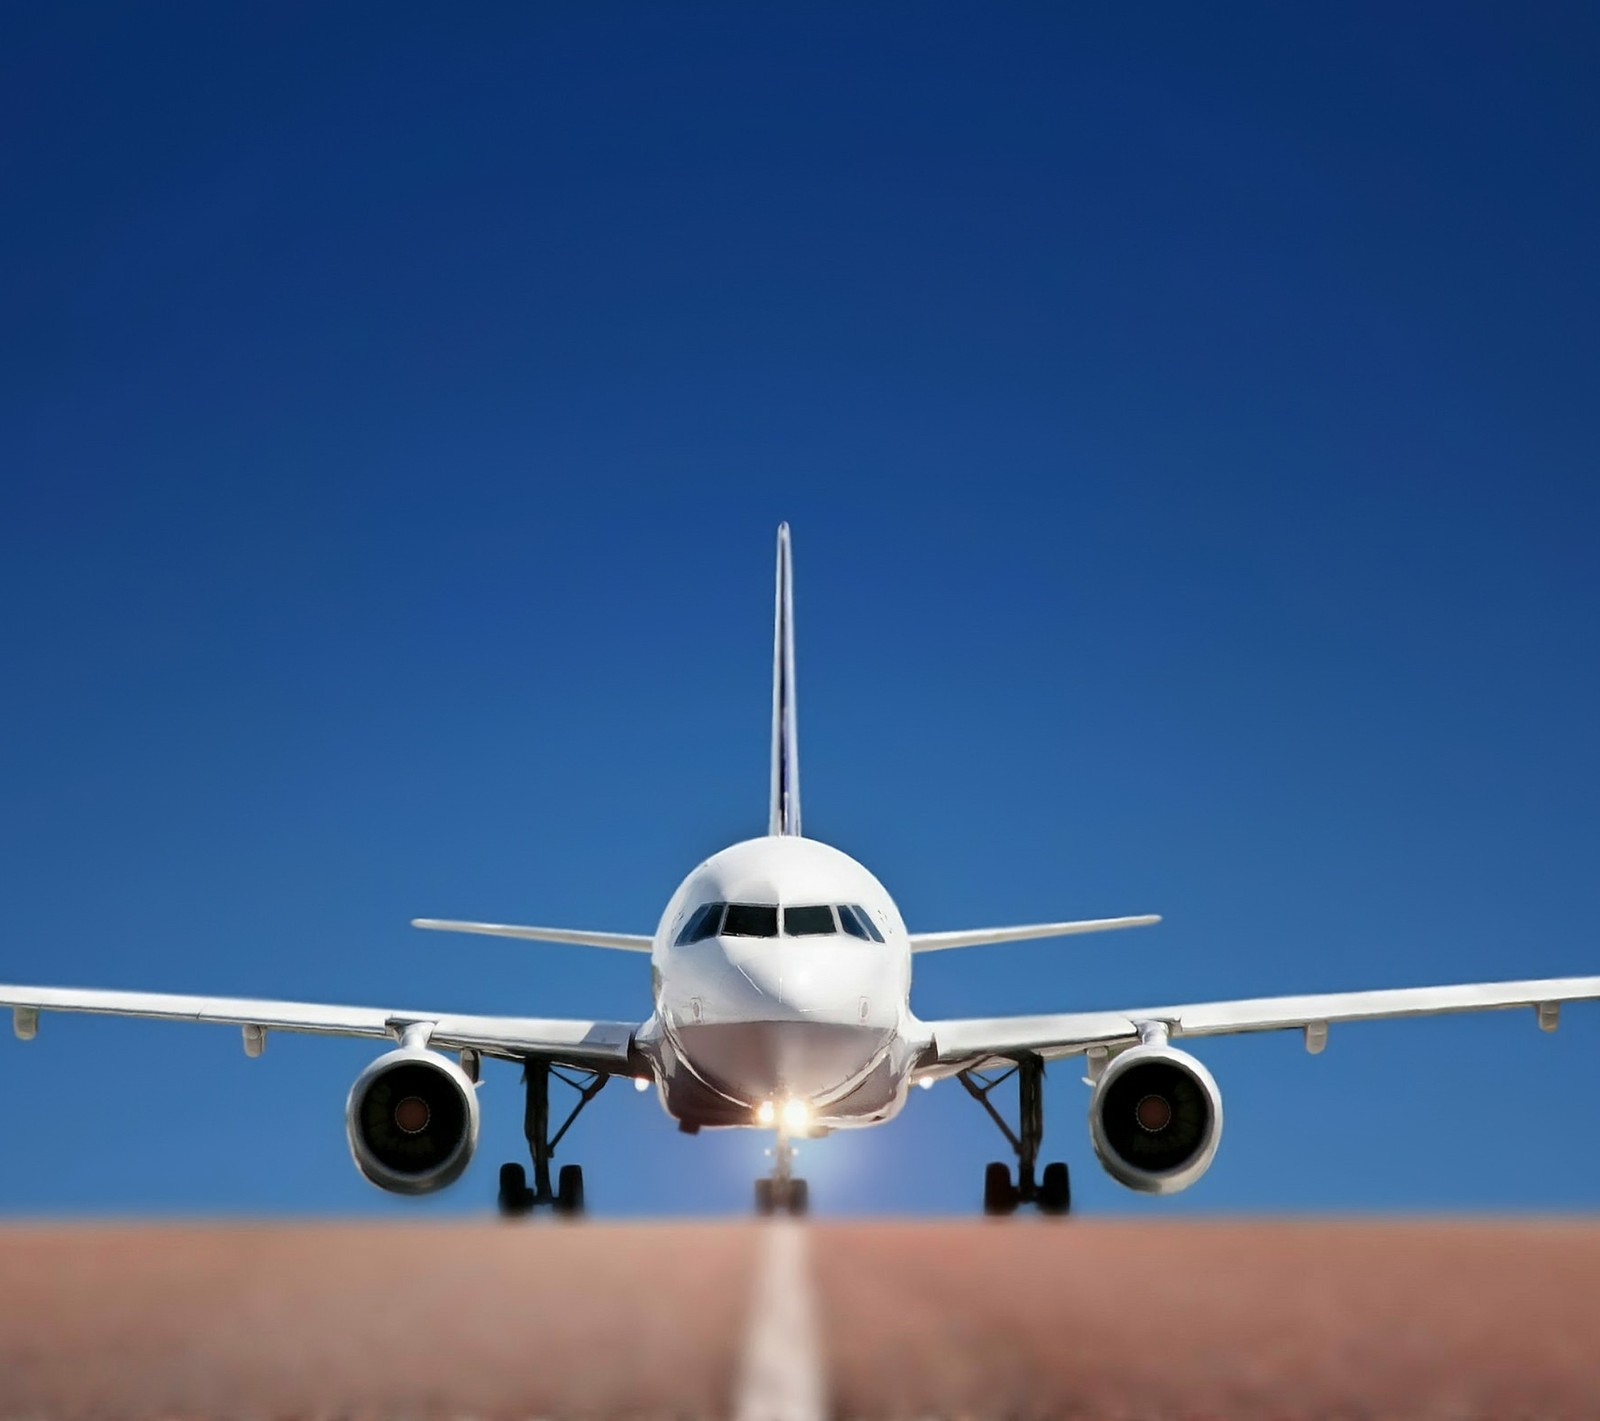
(1005, 1319)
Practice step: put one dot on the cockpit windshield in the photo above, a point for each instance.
(811, 921)
(751, 920)
(761, 920)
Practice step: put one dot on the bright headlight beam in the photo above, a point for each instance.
(796, 1116)
(765, 1113)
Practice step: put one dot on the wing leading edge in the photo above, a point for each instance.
(625, 942)
(980, 937)
(920, 942)
(606, 1046)
(962, 1044)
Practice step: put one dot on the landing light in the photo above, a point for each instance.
(796, 1116)
(641, 1083)
(766, 1112)
(926, 1083)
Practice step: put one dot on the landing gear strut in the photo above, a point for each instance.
(567, 1196)
(781, 1192)
(1053, 1192)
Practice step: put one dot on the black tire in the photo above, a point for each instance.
(515, 1198)
(763, 1197)
(799, 1198)
(999, 1194)
(569, 1190)
(1055, 1190)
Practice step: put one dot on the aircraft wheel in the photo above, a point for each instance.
(515, 1198)
(1055, 1190)
(569, 1190)
(999, 1195)
(799, 1198)
(764, 1200)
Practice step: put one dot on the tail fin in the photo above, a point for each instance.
(785, 814)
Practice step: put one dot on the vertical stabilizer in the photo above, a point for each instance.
(785, 815)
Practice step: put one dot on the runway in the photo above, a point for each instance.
(1005, 1319)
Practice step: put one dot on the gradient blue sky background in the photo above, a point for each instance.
(1188, 423)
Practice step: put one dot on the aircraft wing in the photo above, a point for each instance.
(972, 1043)
(593, 1045)
(980, 937)
(580, 937)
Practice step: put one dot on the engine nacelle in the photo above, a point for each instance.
(1155, 1118)
(412, 1119)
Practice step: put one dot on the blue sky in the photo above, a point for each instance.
(1187, 423)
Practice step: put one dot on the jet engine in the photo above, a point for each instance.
(1155, 1118)
(412, 1118)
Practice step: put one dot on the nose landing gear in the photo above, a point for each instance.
(515, 1197)
(781, 1192)
(1053, 1192)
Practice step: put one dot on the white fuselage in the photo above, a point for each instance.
(746, 1025)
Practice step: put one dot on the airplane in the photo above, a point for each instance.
(781, 973)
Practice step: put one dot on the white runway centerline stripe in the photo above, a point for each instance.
(780, 1375)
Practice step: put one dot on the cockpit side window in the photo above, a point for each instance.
(863, 917)
(808, 921)
(852, 924)
(703, 924)
(751, 920)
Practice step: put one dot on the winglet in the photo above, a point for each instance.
(784, 817)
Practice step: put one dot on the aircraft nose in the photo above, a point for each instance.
(781, 1059)
(760, 973)
(788, 980)
(785, 1021)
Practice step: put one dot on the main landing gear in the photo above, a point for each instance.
(781, 1192)
(1053, 1191)
(567, 1196)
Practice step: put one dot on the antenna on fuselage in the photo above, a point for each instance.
(784, 817)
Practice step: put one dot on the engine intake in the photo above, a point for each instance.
(412, 1119)
(1155, 1119)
